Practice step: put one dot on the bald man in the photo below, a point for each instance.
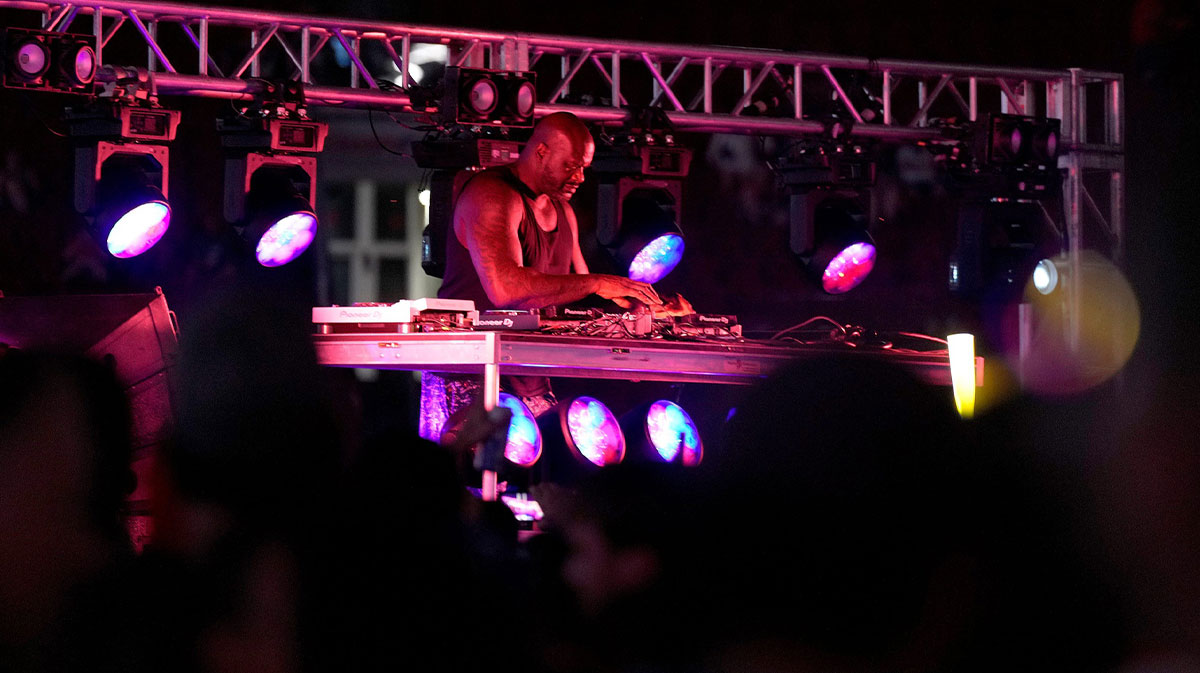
(516, 246)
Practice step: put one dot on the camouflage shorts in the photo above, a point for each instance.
(444, 394)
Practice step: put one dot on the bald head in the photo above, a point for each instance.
(554, 158)
(558, 127)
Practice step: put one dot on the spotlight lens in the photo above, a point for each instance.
(1051, 145)
(524, 445)
(1045, 276)
(32, 59)
(594, 431)
(1014, 142)
(286, 239)
(482, 96)
(850, 267)
(139, 229)
(84, 65)
(657, 259)
(526, 99)
(672, 432)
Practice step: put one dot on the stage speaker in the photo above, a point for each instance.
(136, 335)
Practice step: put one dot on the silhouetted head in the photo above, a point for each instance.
(64, 473)
(258, 431)
(834, 505)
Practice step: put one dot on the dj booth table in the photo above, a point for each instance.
(502, 353)
(493, 354)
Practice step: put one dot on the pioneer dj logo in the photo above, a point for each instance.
(359, 315)
(495, 322)
(721, 319)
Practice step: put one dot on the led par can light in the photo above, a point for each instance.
(662, 432)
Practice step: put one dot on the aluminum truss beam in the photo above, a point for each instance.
(698, 88)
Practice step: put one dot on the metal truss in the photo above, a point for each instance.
(231, 53)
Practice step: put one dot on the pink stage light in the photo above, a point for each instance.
(849, 268)
(593, 432)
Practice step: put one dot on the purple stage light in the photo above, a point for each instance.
(286, 239)
(31, 60)
(672, 432)
(139, 229)
(594, 433)
(657, 259)
(83, 65)
(1014, 141)
(524, 445)
(525, 99)
(483, 96)
(849, 267)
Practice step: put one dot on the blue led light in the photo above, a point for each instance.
(139, 229)
(657, 259)
(524, 445)
(672, 432)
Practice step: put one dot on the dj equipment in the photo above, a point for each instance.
(404, 316)
(431, 315)
(510, 319)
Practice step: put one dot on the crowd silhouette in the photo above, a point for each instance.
(847, 520)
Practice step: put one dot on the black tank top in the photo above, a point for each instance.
(544, 251)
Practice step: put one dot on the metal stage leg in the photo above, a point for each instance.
(491, 398)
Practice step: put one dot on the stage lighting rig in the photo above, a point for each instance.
(1010, 156)
(477, 97)
(999, 244)
(122, 171)
(1009, 192)
(48, 61)
(639, 197)
(271, 175)
(829, 186)
(1017, 140)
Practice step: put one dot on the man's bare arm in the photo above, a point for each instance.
(486, 220)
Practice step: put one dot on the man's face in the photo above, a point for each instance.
(563, 164)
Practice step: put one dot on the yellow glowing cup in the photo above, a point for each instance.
(962, 372)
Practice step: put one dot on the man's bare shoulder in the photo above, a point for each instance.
(487, 207)
(491, 189)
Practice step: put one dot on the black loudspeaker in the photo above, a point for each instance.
(441, 223)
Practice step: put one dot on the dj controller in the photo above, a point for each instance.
(439, 315)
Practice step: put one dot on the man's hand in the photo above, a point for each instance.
(675, 306)
(621, 290)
